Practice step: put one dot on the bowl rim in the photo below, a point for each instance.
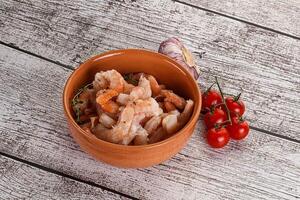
(192, 120)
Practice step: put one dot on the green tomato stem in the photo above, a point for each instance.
(236, 98)
(223, 100)
(208, 89)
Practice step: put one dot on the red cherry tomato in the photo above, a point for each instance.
(217, 138)
(239, 129)
(214, 117)
(209, 98)
(237, 108)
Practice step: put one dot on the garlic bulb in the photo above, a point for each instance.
(174, 48)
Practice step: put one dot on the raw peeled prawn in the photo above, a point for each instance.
(124, 135)
(144, 121)
(141, 137)
(170, 96)
(103, 96)
(136, 93)
(142, 91)
(109, 79)
(106, 120)
(149, 107)
(142, 110)
(128, 87)
(174, 112)
(119, 134)
(145, 83)
(159, 98)
(104, 100)
(176, 120)
(111, 107)
(170, 123)
(100, 131)
(135, 125)
(169, 106)
(94, 121)
(137, 132)
(153, 124)
(123, 99)
(184, 117)
(155, 88)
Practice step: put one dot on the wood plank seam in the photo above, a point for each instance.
(21, 181)
(65, 175)
(274, 134)
(69, 67)
(35, 55)
(238, 19)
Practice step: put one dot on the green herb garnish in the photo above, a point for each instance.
(78, 113)
(75, 101)
(130, 79)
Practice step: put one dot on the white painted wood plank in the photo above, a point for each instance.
(33, 127)
(280, 15)
(22, 181)
(265, 64)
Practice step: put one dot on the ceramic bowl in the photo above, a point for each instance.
(167, 72)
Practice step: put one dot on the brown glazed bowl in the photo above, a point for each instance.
(167, 72)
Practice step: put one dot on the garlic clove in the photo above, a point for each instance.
(175, 49)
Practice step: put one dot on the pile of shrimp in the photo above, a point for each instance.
(134, 110)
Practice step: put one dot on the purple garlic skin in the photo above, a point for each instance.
(175, 49)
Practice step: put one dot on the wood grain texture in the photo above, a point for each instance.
(32, 127)
(278, 15)
(265, 64)
(22, 181)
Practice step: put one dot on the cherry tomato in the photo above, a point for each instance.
(214, 117)
(217, 138)
(239, 129)
(237, 108)
(209, 98)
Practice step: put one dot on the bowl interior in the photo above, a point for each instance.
(165, 70)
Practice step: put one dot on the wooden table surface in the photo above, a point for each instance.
(253, 45)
